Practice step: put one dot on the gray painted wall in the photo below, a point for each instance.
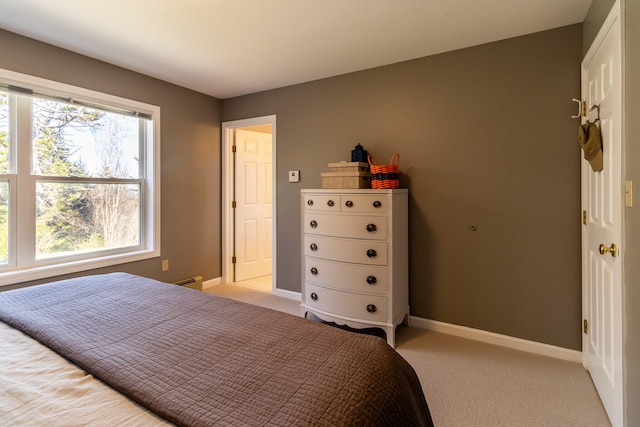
(485, 136)
(190, 151)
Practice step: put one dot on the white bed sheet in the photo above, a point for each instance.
(38, 387)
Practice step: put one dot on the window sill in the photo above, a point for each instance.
(36, 273)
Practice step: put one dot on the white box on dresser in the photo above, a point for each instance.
(355, 257)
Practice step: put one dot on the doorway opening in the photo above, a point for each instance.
(249, 201)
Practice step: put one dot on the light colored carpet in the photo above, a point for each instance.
(472, 384)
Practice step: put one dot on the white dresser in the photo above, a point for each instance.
(355, 257)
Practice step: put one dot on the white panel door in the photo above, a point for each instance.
(253, 213)
(602, 200)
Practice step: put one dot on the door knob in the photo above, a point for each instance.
(613, 249)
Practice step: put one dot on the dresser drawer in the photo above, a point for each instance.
(372, 279)
(322, 202)
(353, 226)
(374, 203)
(359, 306)
(371, 252)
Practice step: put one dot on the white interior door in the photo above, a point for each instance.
(602, 203)
(253, 212)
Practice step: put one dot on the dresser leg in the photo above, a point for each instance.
(391, 336)
(407, 320)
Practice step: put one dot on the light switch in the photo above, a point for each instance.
(294, 176)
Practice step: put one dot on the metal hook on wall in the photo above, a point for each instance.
(596, 107)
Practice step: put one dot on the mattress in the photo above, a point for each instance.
(40, 388)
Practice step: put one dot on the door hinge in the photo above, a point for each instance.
(233, 148)
(585, 326)
(233, 260)
(584, 217)
(233, 204)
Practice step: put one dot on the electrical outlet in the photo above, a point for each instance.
(165, 265)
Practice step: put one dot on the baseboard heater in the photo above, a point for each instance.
(194, 282)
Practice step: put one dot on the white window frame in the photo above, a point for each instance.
(150, 192)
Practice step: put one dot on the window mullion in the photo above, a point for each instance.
(142, 208)
(13, 190)
(26, 202)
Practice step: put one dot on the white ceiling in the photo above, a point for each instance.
(227, 48)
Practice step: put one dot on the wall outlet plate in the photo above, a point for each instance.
(294, 176)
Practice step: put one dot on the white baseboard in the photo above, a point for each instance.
(297, 296)
(498, 339)
(211, 282)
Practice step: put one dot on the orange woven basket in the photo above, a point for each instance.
(385, 176)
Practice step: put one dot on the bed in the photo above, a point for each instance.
(151, 353)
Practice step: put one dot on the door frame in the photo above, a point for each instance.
(228, 129)
(613, 16)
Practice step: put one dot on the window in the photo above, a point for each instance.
(79, 179)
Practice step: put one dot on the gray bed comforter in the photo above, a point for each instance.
(198, 359)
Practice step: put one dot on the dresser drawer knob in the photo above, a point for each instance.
(313, 247)
(349, 204)
(314, 271)
(310, 202)
(313, 224)
(371, 228)
(372, 280)
(314, 296)
(371, 253)
(377, 204)
(371, 308)
(330, 203)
